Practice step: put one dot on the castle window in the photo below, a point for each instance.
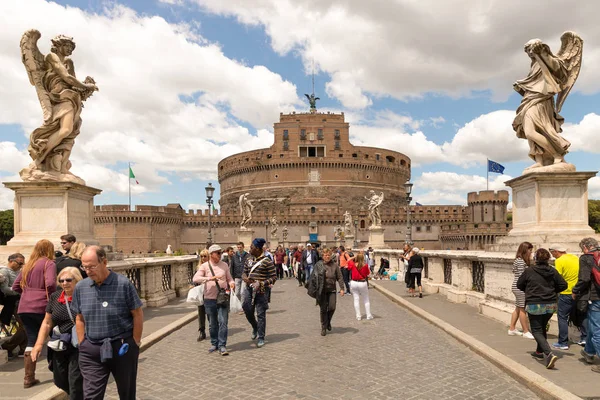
(366, 156)
(337, 145)
(313, 210)
(281, 156)
(362, 224)
(269, 155)
(390, 158)
(354, 155)
(320, 135)
(311, 151)
(286, 135)
(285, 147)
(302, 134)
(341, 155)
(377, 156)
(428, 228)
(337, 133)
(418, 229)
(402, 162)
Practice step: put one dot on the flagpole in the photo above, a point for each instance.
(487, 177)
(129, 182)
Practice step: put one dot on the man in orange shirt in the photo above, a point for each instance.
(344, 258)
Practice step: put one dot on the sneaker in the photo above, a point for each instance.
(254, 334)
(323, 332)
(537, 355)
(515, 333)
(588, 358)
(595, 368)
(358, 317)
(550, 361)
(224, 351)
(528, 335)
(369, 317)
(212, 349)
(581, 343)
(260, 343)
(560, 346)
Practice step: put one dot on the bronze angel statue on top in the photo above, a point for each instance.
(538, 119)
(61, 96)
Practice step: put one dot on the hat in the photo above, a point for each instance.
(213, 248)
(308, 244)
(415, 250)
(558, 247)
(259, 243)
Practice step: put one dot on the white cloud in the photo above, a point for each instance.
(409, 48)
(594, 188)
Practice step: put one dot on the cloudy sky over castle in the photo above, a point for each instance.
(185, 83)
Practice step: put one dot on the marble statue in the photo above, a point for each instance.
(285, 233)
(338, 233)
(374, 202)
(347, 224)
(538, 118)
(61, 97)
(274, 226)
(246, 208)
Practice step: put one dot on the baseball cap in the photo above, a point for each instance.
(308, 244)
(558, 247)
(213, 248)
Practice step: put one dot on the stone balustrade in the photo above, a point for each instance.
(480, 279)
(158, 279)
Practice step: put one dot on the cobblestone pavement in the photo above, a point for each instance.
(396, 355)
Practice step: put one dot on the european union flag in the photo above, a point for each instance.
(495, 167)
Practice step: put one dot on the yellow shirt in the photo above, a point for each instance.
(567, 265)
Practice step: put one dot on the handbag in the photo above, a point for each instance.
(222, 295)
(74, 339)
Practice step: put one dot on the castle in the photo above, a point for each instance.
(307, 179)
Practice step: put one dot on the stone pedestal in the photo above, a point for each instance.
(548, 208)
(273, 242)
(349, 242)
(376, 237)
(47, 210)
(245, 236)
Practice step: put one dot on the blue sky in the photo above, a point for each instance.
(184, 83)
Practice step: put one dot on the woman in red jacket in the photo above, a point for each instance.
(359, 273)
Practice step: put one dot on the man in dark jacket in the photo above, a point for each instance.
(310, 257)
(238, 262)
(587, 288)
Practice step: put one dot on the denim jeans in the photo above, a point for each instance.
(260, 306)
(592, 344)
(218, 317)
(565, 306)
(307, 272)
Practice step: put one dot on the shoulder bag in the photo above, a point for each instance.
(222, 295)
(74, 339)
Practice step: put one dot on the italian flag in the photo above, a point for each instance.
(132, 176)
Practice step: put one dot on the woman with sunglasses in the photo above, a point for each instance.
(201, 309)
(65, 363)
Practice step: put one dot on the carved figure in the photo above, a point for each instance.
(246, 208)
(274, 226)
(338, 233)
(312, 100)
(538, 119)
(61, 97)
(285, 233)
(374, 203)
(347, 224)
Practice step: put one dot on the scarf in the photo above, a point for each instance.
(61, 298)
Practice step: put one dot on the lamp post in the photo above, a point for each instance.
(267, 231)
(210, 190)
(408, 189)
(355, 233)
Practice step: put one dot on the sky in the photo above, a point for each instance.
(185, 83)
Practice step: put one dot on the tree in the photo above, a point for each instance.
(594, 214)
(7, 226)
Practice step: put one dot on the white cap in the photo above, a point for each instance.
(308, 244)
(415, 250)
(558, 247)
(213, 248)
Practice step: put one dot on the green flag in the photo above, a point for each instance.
(132, 176)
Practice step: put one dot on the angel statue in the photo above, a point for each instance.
(274, 227)
(61, 96)
(347, 224)
(312, 101)
(374, 203)
(537, 117)
(246, 208)
(285, 233)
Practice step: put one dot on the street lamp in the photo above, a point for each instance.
(210, 190)
(355, 233)
(408, 189)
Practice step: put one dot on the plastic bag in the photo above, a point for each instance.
(285, 268)
(235, 305)
(196, 295)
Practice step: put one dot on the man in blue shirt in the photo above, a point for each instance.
(109, 326)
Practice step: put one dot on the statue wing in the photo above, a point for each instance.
(35, 65)
(570, 53)
(308, 97)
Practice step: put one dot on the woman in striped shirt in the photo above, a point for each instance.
(522, 261)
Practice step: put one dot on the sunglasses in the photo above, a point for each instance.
(203, 256)
(65, 280)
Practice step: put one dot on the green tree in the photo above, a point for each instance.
(7, 226)
(594, 214)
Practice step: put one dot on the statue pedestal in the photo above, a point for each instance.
(376, 237)
(48, 210)
(548, 208)
(273, 242)
(245, 236)
(349, 241)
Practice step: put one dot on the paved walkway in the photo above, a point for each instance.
(396, 355)
(570, 372)
(11, 374)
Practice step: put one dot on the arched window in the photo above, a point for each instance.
(362, 224)
(313, 210)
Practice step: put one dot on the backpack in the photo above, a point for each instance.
(596, 268)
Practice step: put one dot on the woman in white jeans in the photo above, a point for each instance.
(360, 271)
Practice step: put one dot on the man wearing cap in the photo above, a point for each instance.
(309, 258)
(567, 265)
(216, 276)
(258, 275)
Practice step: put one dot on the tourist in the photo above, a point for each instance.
(415, 267)
(384, 265)
(403, 258)
(239, 263)
(588, 288)
(36, 282)
(279, 259)
(371, 259)
(67, 241)
(322, 287)
(309, 258)
(522, 261)
(215, 275)
(227, 258)
(201, 309)
(65, 363)
(9, 299)
(109, 325)
(72, 259)
(359, 273)
(299, 269)
(541, 283)
(567, 265)
(343, 262)
(258, 276)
